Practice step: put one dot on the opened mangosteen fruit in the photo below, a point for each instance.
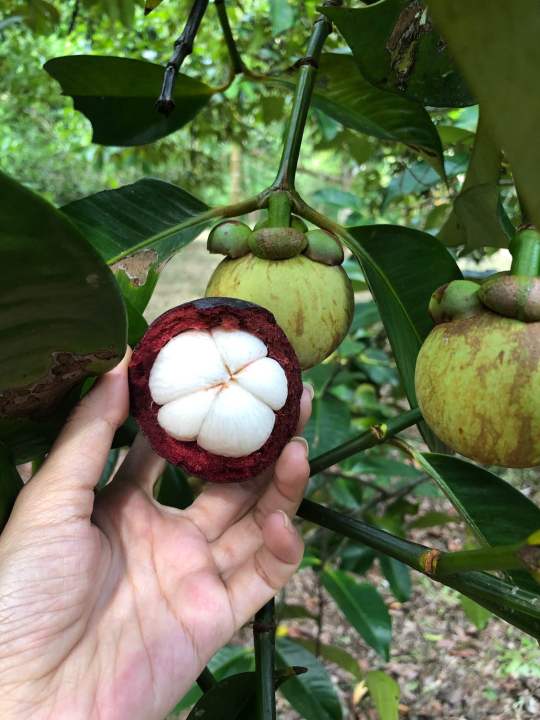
(215, 386)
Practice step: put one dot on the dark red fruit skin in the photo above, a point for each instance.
(205, 314)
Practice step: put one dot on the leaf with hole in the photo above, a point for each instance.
(117, 221)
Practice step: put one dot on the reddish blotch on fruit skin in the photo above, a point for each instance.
(207, 314)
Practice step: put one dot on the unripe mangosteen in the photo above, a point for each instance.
(478, 380)
(215, 386)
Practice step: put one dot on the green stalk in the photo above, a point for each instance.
(279, 210)
(504, 557)
(525, 249)
(515, 605)
(237, 64)
(224, 211)
(263, 635)
(302, 100)
(374, 436)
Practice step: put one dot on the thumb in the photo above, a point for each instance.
(66, 480)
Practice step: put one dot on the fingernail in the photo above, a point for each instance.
(285, 520)
(310, 389)
(302, 441)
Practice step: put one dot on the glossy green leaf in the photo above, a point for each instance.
(478, 615)
(363, 607)
(478, 218)
(384, 692)
(398, 576)
(432, 518)
(62, 318)
(342, 92)
(118, 96)
(397, 49)
(312, 694)
(333, 654)
(283, 15)
(329, 425)
(497, 513)
(231, 699)
(227, 662)
(10, 485)
(394, 260)
(173, 489)
(116, 221)
(495, 43)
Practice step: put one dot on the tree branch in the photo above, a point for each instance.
(263, 634)
(182, 48)
(237, 64)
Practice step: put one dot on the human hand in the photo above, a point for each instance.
(111, 606)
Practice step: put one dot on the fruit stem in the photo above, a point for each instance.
(512, 603)
(279, 209)
(376, 435)
(264, 640)
(504, 557)
(309, 66)
(224, 211)
(525, 249)
(237, 64)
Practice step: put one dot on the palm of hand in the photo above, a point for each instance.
(115, 618)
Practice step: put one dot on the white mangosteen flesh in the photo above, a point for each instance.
(218, 388)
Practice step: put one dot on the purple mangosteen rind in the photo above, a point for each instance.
(206, 314)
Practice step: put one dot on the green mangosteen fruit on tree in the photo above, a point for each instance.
(478, 371)
(293, 272)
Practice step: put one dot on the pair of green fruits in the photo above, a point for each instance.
(478, 372)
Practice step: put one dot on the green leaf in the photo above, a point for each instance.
(419, 177)
(432, 518)
(343, 93)
(118, 96)
(174, 489)
(478, 218)
(363, 607)
(398, 576)
(329, 425)
(116, 221)
(231, 699)
(312, 694)
(106, 473)
(10, 485)
(41, 17)
(334, 654)
(150, 5)
(497, 513)
(397, 49)
(282, 15)
(121, 10)
(384, 692)
(227, 662)
(394, 260)
(62, 318)
(478, 615)
(292, 611)
(500, 60)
